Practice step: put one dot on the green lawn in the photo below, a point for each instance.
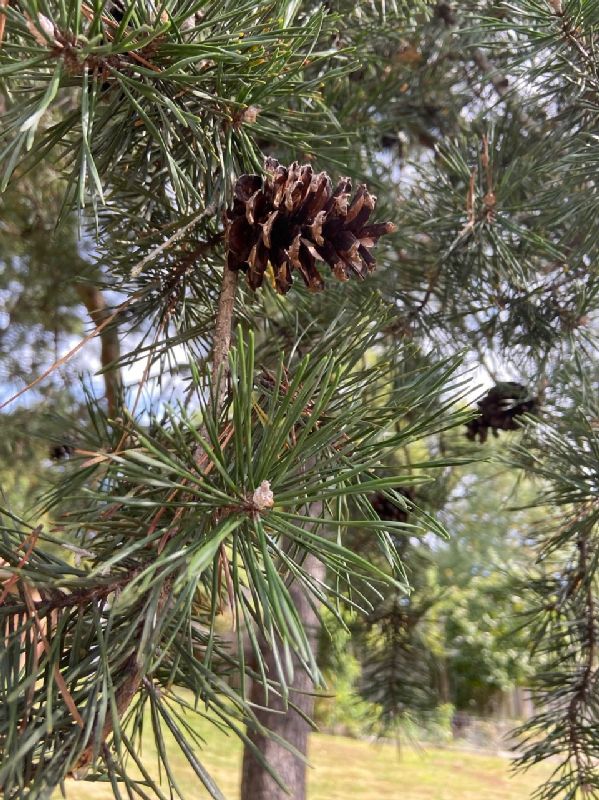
(344, 768)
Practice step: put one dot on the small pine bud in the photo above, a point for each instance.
(46, 25)
(250, 115)
(263, 497)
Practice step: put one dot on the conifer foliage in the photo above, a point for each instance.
(246, 435)
(153, 120)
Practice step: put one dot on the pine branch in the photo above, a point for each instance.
(135, 673)
(500, 83)
(222, 335)
(562, 611)
(222, 342)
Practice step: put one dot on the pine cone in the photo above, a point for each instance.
(499, 410)
(58, 452)
(292, 218)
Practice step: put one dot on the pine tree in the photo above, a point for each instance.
(201, 148)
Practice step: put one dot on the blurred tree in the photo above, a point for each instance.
(479, 571)
(43, 282)
(456, 638)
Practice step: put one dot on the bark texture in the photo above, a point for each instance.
(256, 783)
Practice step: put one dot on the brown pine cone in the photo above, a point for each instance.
(58, 452)
(500, 410)
(292, 218)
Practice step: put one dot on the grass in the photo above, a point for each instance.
(342, 768)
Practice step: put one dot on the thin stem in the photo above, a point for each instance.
(222, 335)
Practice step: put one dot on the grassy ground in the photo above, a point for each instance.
(343, 768)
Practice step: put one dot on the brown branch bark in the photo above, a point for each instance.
(95, 302)
(222, 335)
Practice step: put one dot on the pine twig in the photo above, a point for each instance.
(222, 335)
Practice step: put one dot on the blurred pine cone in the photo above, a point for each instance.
(292, 218)
(499, 410)
(58, 452)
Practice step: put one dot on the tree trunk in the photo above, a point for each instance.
(94, 301)
(256, 783)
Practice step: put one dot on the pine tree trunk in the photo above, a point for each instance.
(256, 783)
(98, 309)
